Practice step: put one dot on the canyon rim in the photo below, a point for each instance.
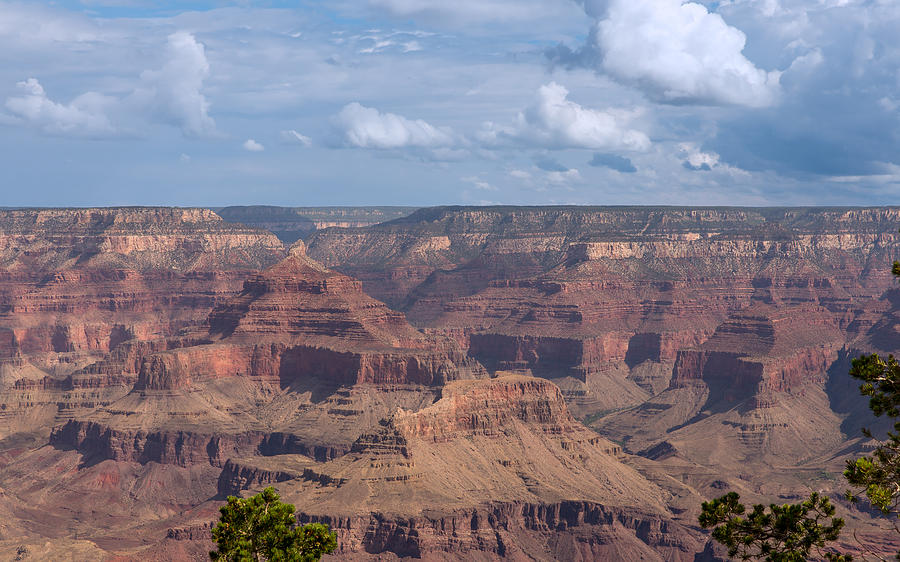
(552, 383)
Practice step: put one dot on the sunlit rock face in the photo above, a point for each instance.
(488, 383)
(82, 285)
(627, 307)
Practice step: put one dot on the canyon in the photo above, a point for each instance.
(441, 383)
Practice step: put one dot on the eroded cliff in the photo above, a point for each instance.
(78, 284)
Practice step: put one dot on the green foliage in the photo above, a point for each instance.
(263, 528)
(779, 533)
(877, 476)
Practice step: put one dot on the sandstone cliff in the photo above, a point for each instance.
(495, 468)
(76, 284)
(609, 302)
(300, 361)
(148, 368)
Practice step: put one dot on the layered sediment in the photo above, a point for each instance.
(76, 285)
(614, 303)
(487, 471)
(298, 339)
(152, 359)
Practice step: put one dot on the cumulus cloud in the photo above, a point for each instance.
(834, 118)
(83, 116)
(173, 93)
(697, 160)
(555, 122)
(253, 146)
(293, 137)
(366, 127)
(674, 51)
(614, 162)
(170, 95)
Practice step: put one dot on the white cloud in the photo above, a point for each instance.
(555, 122)
(170, 95)
(540, 179)
(695, 159)
(173, 93)
(84, 116)
(807, 62)
(31, 25)
(377, 46)
(698, 160)
(411, 46)
(293, 137)
(676, 52)
(253, 146)
(366, 127)
(888, 104)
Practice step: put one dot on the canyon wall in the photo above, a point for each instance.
(543, 383)
(78, 284)
(620, 304)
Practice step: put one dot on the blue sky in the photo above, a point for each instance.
(425, 102)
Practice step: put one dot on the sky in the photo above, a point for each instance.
(429, 102)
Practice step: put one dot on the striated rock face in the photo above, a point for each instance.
(153, 361)
(271, 372)
(505, 242)
(647, 263)
(78, 284)
(485, 409)
(237, 476)
(82, 281)
(764, 350)
(298, 319)
(487, 471)
(615, 304)
(165, 447)
(709, 339)
(133, 238)
(568, 530)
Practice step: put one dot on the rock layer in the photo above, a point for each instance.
(77, 284)
(164, 370)
(615, 304)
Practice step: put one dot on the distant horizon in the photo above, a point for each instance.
(216, 208)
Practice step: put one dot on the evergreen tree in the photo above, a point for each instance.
(263, 528)
(779, 533)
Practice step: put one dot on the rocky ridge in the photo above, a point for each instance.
(77, 284)
(298, 339)
(708, 341)
(713, 340)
